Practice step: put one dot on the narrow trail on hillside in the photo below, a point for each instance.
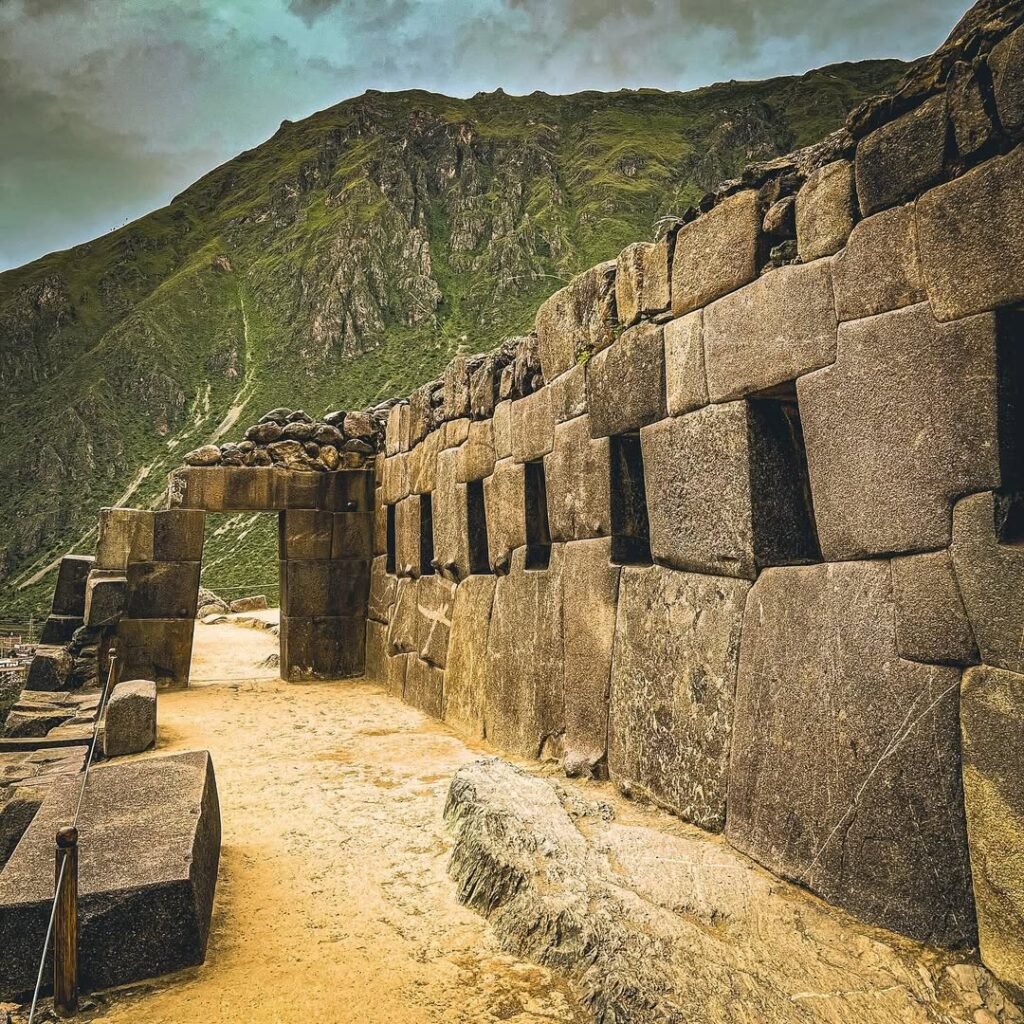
(245, 392)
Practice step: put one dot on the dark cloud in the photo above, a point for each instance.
(42, 8)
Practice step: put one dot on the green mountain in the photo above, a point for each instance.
(344, 260)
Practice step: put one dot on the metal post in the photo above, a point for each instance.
(65, 927)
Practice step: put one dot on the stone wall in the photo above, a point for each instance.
(739, 525)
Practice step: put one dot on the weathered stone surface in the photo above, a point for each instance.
(129, 723)
(717, 253)
(455, 433)
(394, 484)
(147, 874)
(178, 535)
(434, 598)
(407, 536)
(533, 426)
(991, 722)
(158, 649)
(483, 388)
(504, 499)
(322, 647)
(588, 629)
(642, 281)
(69, 590)
(106, 598)
(845, 767)
(578, 478)
(125, 534)
(781, 326)
(305, 534)
(626, 382)
(424, 687)
(931, 624)
(162, 590)
(421, 463)
(421, 412)
(403, 633)
(971, 236)
(352, 535)
(467, 666)
(396, 438)
(58, 629)
(673, 674)
(989, 563)
(451, 516)
(270, 489)
(779, 222)
(49, 669)
(524, 703)
(376, 657)
(335, 589)
(455, 391)
(726, 492)
(902, 158)
(825, 210)
(578, 318)
(569, 393)
(1006, 62)
(253, 603)
(686, 381)
(880, 483)
(380, 528)
(477, 459)
(969, 115)
(382, 590)
(879, 270)
(503, 430)
(653, 925)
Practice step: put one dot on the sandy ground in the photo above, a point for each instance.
(333, 902)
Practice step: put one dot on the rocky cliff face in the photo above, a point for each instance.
(344, 260)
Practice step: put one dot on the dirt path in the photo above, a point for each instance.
(333, 903)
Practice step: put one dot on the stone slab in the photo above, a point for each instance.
(352, 536)
(467, 665)
(673, 674)
(125, 535)
(533, 426)
(58, 629)
(434, 598)
(881, 482)
(408, 536)
(270, 489)
(394, 482)
(147, 873)
(49, 669)
(1006, 62)
(626, 382)
(770, 332)
(162, 590)
(178, 535)
(403, 629)
(686, 380)
(158, 649)
(503, 430)
(642, 280)
(322, 647)
(578, 483)
(569, 393)
(477, 453)
(376, 657)
(129, 722)
(69, 590)
(331, 589)
(382, 590)
(826, 208)
(845, 765)
(424, 687)
(450, 517)
(505, 502)
(304, 534)
(106, 597)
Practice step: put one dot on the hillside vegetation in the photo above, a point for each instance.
(344, 260)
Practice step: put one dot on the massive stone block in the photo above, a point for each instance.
(407, 536)
(503, 430)
(382, 590)
(578, 483)
(304, 533)
(931, 624)
(477, 459)
(971, 237)
(162, 590)
(505, 502)
(421, 463)
(882, 482)
(716, 253)
(424, 686)
(727, 491)
(125, 535)
(352, 535)
(394, 484)
(626, 382)
(69, 590)
(396, 437)
(642, 282)
(106, 597)
(588, 629)
(129, 722)
(466, 671)
(147, 873)
(781, 326)
(178, 535)
(578, 318)
(992, 722)
(455, 389)
(524, 704)
(270, 489)
(1006, 62)
(970, 114)
(157, 649)
(845, 766)
(902, 158)
(533, 426)
(988, 558)
(434, 598)
(825, 210)
(50, 669)
(375, 666)
(451, 517)
(673, 674)
(322, 647)
(403, 633)
(333, 589)
(879, 270)
(686, 380)
(569, 393)
(58, 629)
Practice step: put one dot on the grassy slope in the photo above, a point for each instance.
(161, 343)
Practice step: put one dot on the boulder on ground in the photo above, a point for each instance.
(256, 603)
(129, 724)
(50, 669)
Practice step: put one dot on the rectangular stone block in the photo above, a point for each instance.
(324, 589)
(1006, 63)
(781, 326)
(578, 483)
(455, 389)
(673, 674)
(421, 463)
(394, 485)
(382, 590)
(578, 318)
(505, 502)
(178, 535)
(626, 382)
(879, 270)
(483, 388)
(270, 489)
(991, 724)
(477, 453)
(403, 633)
(157, 649)
(716, 253)
(304, 534)
(396, 437)
(58, 629)
(905, 421)
(503, 430)
(727, 489)
(69, 590)
(642, 281)
(352, 536)
(569, 393)
(826, 208)
(434, 596)
(533, 426)
(588, 629)
(902, 158)
(455, 432)
(380, 528)
(424, 687)
(421, 415)
(125, 535)
(376, 657)
(408, 536)
(466, 671)
(322, 647)
(451, 516)
(971, 237)
(162, 590)
(686, 380)
(345, 490)
(106, 597)
(129, 720)
(524, 704)
(845, 765)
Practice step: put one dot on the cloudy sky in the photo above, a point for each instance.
(108, 108)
